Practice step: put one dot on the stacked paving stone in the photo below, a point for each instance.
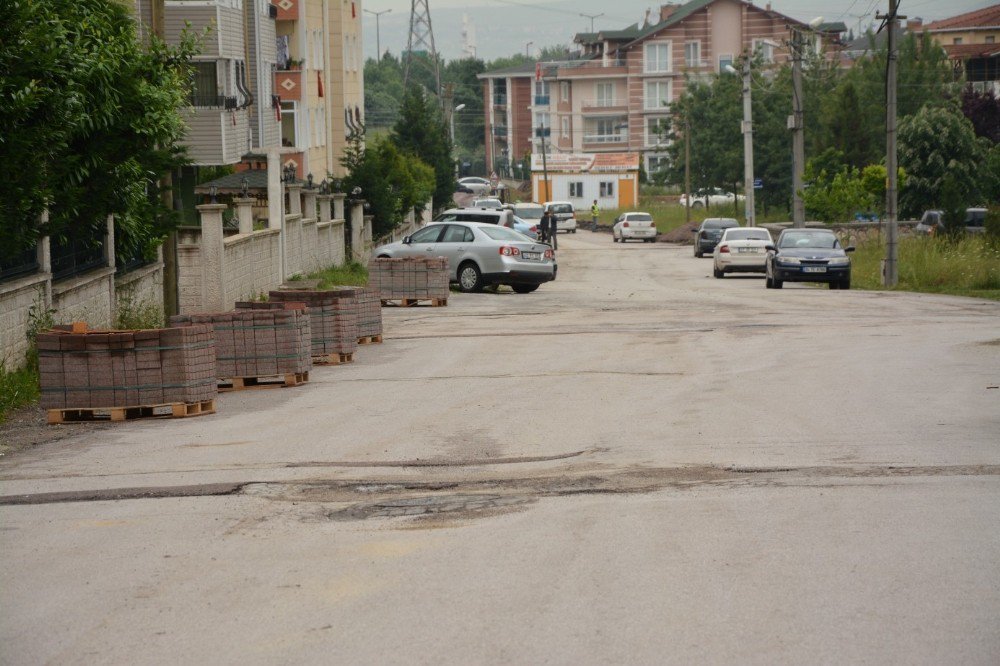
(369, 313)
(102, 369)
(411, 278)
(258, 341)
(333, 315)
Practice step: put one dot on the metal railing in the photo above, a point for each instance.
(206, 100)
(19, 264)
(499, 100)
(605, 138)
(603, 103)
(500, 131)
(542, 100)
(540, 132)
(77, 254)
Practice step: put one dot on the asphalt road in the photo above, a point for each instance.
(637, 463)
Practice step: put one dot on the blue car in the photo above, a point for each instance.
(529, 229)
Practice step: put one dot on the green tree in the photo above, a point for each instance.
(938, 146)
(90, 120)
(421, 131)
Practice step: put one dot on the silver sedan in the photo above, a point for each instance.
(480, 254)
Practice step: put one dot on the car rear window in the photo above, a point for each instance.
(478, 217)
(720, 224)
(748, 234)
(639, 217)
(561, 208)
(502, 234)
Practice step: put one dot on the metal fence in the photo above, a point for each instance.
(19, 264)
(78, 253)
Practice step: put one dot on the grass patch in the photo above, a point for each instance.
(18, 388)
(669, 216)
(969, 266)
(350, 273)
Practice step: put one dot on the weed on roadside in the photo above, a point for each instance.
(350, 273)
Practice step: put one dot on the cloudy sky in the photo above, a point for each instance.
(504, 27)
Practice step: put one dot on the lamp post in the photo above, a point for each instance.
(747, 128)
(378, 43)
(526, 48)
(454, 111)
(592, 17)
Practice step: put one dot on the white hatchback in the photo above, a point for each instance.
(565, 215)
(741, 249)
(634, 226)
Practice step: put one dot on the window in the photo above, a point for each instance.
(205, 84)
(499, 92)
(542, 88)
(576, 190)
(991, 39)
(607, 189)
(957, 40)
(543, 125)
(289, 124)
(657, 57)
(692, 54)
(656, 163)
(765, 48)
(725, 59)
(605, 94)
(456, 234)
(565, 128)
(656, 131)
(607, 127)
(427, 234)
(564, 91)
(658, 94)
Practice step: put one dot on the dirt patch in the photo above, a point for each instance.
(27, 427)
(683, 234)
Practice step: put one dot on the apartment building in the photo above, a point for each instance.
(507, 113)
(271, 73)
(616, 94)
(971, 41)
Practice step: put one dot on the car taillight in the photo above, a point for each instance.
(533, 230)
(624, 224)
(724, 248)
(549, 254)
(508, 251)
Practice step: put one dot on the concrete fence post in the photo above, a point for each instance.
(368, 234)
(324, 206)
(244, 213)
(212, 257)
(309, 196)
(357, 230)
(338, 206)
(294, 198)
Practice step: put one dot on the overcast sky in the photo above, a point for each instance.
(504, 27)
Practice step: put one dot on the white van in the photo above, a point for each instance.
(564, 214)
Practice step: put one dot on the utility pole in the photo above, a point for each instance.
(796, 125)
(592, 17)
(545, 166)
(378, 42)
(687, 170)
(890, 271)
(748, 190)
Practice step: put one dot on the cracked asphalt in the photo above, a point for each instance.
(635, 464)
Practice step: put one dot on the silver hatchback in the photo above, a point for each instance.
(480, 254)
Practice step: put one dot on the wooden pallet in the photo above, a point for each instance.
(165, 410)
(268, 381)
(333, 359)
(410, 302)
(370, 340)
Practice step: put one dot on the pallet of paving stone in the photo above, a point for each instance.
(411, 302)
(141, 370)
(410, 279)
(275, 381)
(334, 318)
(258, 340)
(171, 410)
(370, 340)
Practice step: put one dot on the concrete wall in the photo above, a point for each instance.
(17, 298)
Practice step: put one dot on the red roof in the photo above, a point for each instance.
(615, 162)
(980, 18)
(966, 51)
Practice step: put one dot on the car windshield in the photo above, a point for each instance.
(639, 217)
(503, 234)
(529, 212)
(811, 239)
(487, 203)
(748, 234)
(561, 208)
(720, 223)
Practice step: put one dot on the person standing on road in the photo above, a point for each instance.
(552, 227)
(594, 210)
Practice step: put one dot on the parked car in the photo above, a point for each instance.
(480, 254)
(529, 212)
(932, 222)
(503, 218)
(526, 227)
(741, 250)
(808, 255)
(489, 202)
(709, 232)
(634, 226)
(711, 197)
(476, 184)
(565, 215)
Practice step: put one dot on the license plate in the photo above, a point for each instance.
(531, 255)
(814, 269)
(749, 250)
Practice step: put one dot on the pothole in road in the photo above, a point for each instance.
(426, 506)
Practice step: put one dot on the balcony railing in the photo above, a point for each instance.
(540, 132)
(605, 138)
(206, 100)
(500, 131)
(541, 100)
(499, 100)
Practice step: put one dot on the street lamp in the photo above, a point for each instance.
(526, 48)
(378, 43)
(747, 128)
(454, 111)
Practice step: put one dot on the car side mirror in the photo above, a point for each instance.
(771, 248)
(406, 240)
(849, 248)
(694, 231)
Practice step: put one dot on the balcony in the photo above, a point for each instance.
(500, 132)
(604, 140)
(593, 68)
(288, 84)
(604, 106)
(540, 132)
(500, 100)
(288, 10)
(211, 101)
(541, 100)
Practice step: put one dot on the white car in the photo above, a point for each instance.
(711, 197)
(634, 226)
(476, 184)
(565, 215)
(489, 202)
(741, 250)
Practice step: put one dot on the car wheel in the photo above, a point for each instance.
(614, 238)
(470, 278)
(384, 256)
(697, 204)
(524, 288)
(697, 253)
(846, 284)
(717, 273)
(768, 283)
(574, 231)
(778, 284)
